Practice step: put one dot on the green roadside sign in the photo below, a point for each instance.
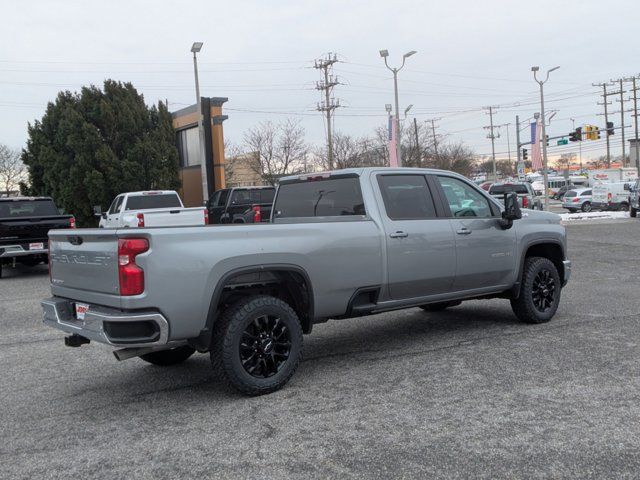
(563, 141)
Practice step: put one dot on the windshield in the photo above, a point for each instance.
(27, 208)
(144, 202)
(507, 188)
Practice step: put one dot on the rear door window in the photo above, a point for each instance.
(333, 197)
(406, 197)
(508, 188)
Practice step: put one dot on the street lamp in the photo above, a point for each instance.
(384, 54)
(545, 175)
(195, 48)
(406, 110)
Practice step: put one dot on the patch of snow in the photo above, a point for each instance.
(571, 217)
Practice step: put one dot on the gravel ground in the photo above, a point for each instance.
(468, 392)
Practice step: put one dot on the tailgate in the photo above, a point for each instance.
(84, 259)
(174, 218)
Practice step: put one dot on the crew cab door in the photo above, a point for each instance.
(114, 212)
(217, 206)
(420, 246)
(486, 253)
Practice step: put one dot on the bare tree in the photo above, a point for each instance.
(350, 152)
(280, 149)
(12, 170)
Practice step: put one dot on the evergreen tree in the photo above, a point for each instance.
(90, 146)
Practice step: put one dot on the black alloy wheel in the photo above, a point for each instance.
(543, 291)
(265, 346)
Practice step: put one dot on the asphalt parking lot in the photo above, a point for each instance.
(468, 392)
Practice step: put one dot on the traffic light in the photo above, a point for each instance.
(596, 133)
(610, 130)
(546, 139)
(524, 154)
(588, 129)
(576, 136)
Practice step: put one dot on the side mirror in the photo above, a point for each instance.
(97, 211)
(511, 209)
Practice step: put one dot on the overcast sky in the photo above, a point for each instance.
(260, 55)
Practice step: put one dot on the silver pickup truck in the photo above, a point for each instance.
(341, 244)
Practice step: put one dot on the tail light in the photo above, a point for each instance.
(576, 200)
(206, 216)
(72, 222)
(525, 202)
(140, 217)
(131, 275)
(257, 214)
(49, 258)
(609, 197)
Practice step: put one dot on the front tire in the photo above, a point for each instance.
(539, 292)
(165, 358)
(257, 345)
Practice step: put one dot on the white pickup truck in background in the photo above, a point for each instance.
(157, 208)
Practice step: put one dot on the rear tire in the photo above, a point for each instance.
(572, 210)
(439, 306)
(257, 345)
(633, 212)
(624, 206)
(539, 292)
(586, 207)
(165, 358)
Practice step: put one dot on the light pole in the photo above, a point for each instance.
(545, 174)
(384, 54)
(195, 48)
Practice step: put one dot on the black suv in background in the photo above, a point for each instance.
(241, 205)
(24, 225)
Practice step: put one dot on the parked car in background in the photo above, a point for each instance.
(610, 196)
(241, 205)
(634, 198)
(562, 190)
(486, 185)
(577, 199)
(526, 196)
(341, 244)
(24, 225)
(156, 208)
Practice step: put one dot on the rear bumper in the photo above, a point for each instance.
(567, 272)
(12, 251)
(106, 325)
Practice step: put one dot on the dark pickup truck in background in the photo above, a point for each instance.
(241, 205)
(24, 225)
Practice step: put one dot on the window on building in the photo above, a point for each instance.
(189, 147)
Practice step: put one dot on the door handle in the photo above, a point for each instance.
(464, 231)
(399, 235)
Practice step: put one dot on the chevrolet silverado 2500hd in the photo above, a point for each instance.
(341, 244)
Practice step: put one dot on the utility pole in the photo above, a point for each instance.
(573, 124)
(518, 152)
(384, 54)
(493, 137)
(621, 100)
(635, 116)
(195, 48)
(605, 102)
(545, 163)
(328, 104)
(415, 130)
